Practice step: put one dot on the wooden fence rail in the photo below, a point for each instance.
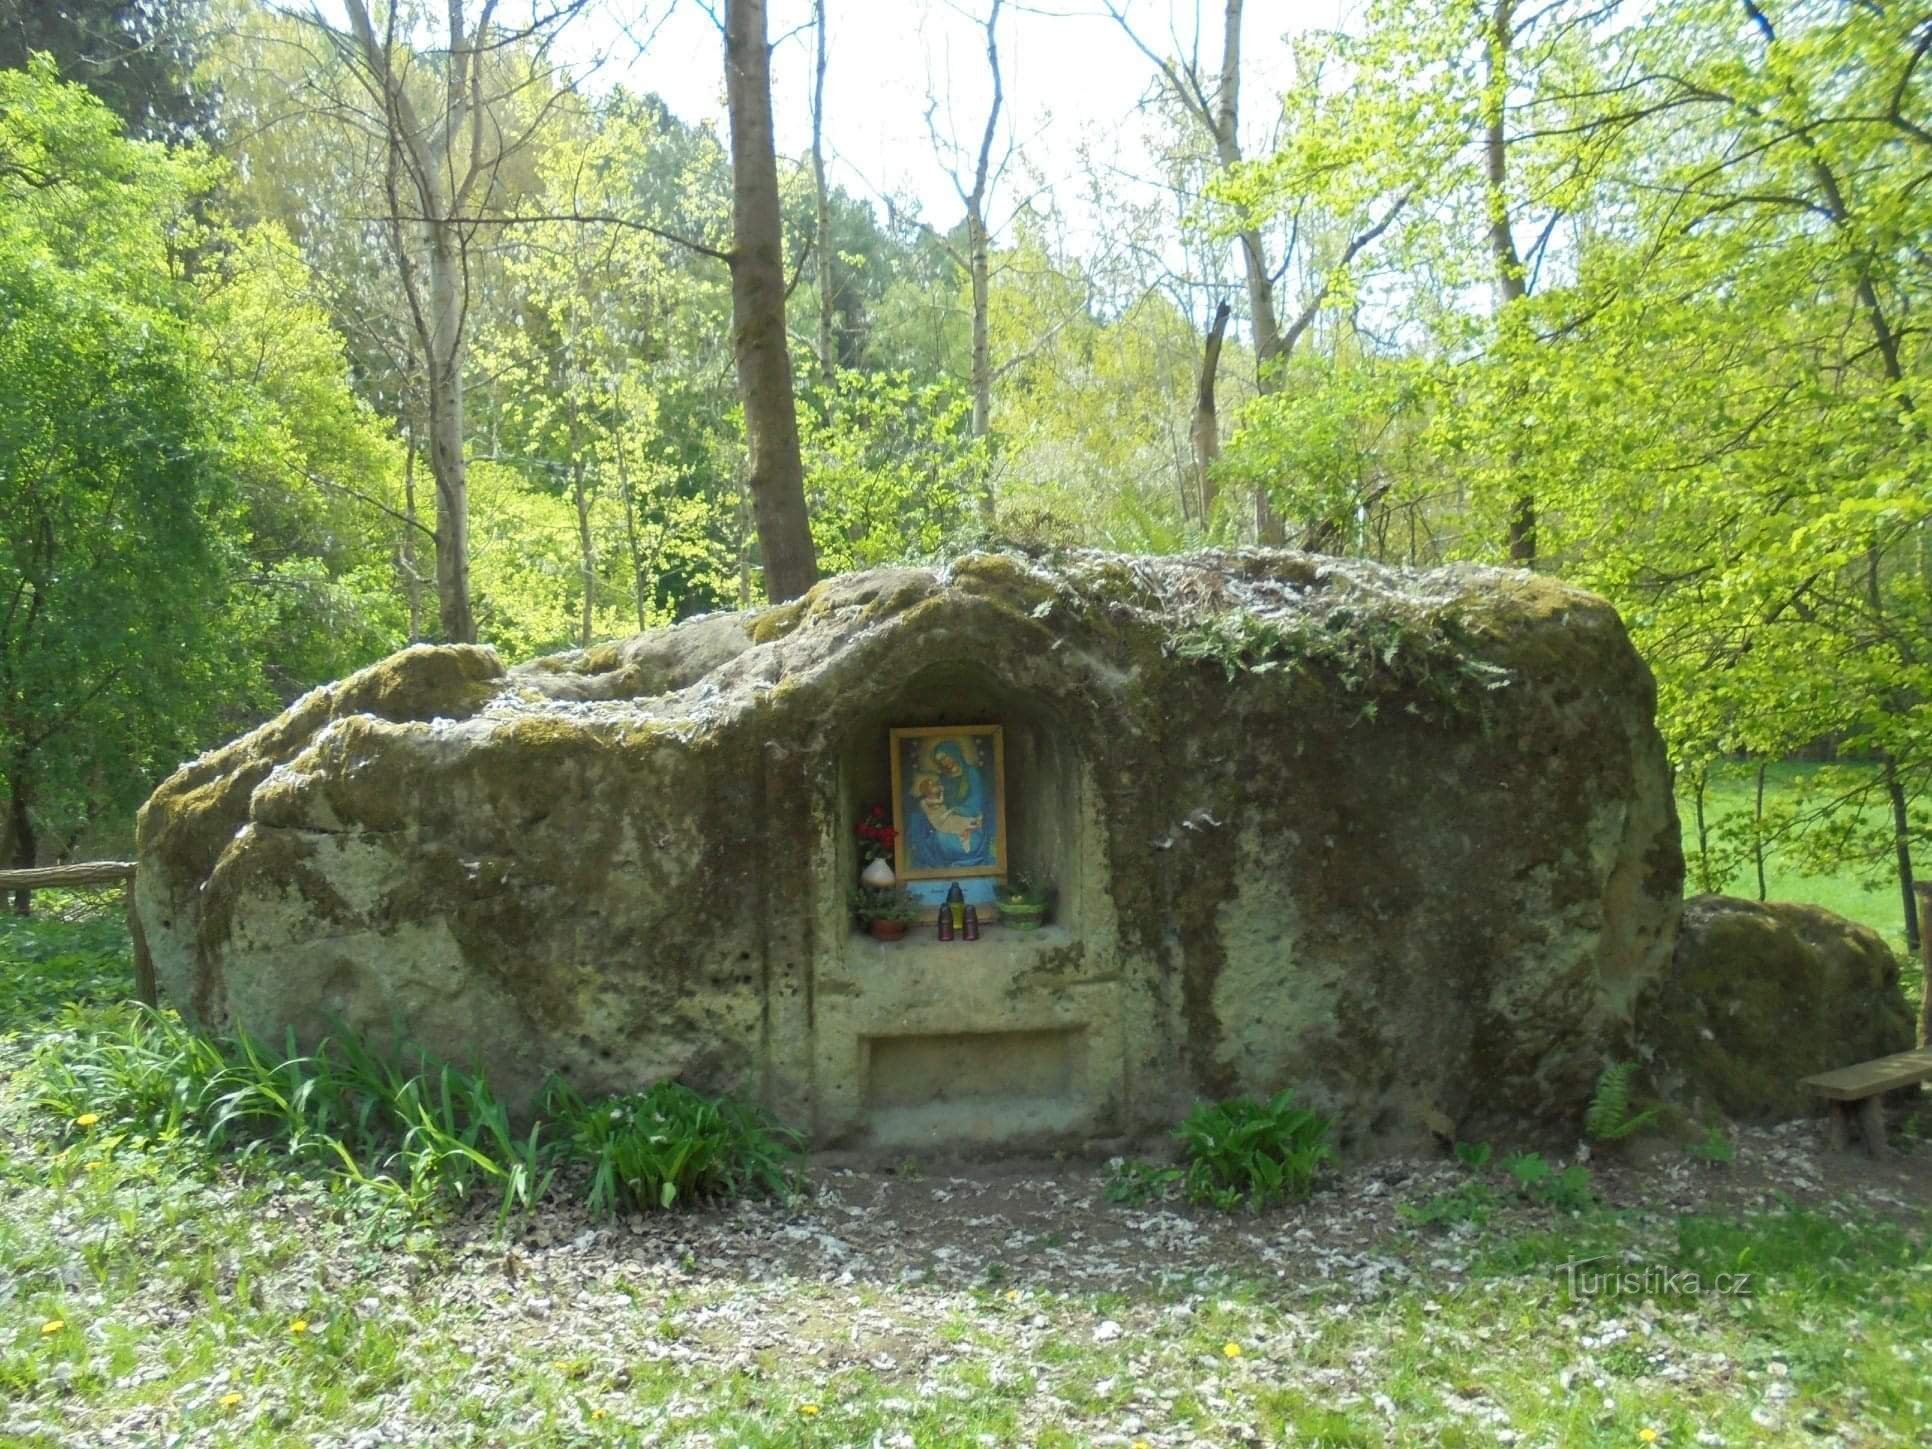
(96, 873)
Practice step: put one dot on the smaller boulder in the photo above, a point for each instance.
(1759, 995)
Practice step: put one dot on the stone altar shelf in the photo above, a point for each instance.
(934, 1043)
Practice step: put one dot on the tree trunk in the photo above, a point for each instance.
(776, 473)
(977, 262)
(21, 822)
(1206, 431)
(982, 347)
(1757, 832)
(827, 353)
(446, 438)
(1510, 286)
(1704, 882)
(630, 508)
(1902, 847)
(1269, 529)
(430, 173)
(743, 531)
(587, 548)
(412, 576)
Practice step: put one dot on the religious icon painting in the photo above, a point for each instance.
(949, 802)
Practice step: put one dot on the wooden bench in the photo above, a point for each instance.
(1860, 1092)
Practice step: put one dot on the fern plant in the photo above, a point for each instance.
(1609, 1117)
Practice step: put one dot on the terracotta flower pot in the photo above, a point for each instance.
(887, 930)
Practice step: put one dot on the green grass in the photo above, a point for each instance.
(160, 1290)
(1731, 795)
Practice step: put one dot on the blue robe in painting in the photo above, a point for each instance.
(965, 793)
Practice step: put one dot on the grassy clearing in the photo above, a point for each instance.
(1731, 796)
(152, 1289)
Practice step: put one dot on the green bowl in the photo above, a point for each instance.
(1022, 916)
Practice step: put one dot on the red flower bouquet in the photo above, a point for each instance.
(876, 835)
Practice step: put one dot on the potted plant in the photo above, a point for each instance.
(1024, 901)
(886, 914)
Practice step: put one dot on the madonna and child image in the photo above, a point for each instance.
(949, 801)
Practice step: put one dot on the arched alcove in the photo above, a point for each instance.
(1044, 771)
(1014, 1037)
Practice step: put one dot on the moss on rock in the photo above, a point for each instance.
(1762, 994)
(631, 861)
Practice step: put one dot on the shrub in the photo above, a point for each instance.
(670, 1145)
(1242, 1150)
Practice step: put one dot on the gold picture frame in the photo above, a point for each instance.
(949, 801)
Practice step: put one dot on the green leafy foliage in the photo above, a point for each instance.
(1701, 373)
(1429, 665)
(398, 1125)
(884, 903)
(1474, 1155)
(1714, 1147)
(891, 467)
(670, 1146)
(1024, 888)
(1136, 1183)
(1568, 1189)
(1469, 1205)
(417, 1136)
(1610, 1116)
(1245, 1151)
(170, 414)
(47, 964)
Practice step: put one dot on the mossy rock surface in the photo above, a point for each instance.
(1404, 840)
(1760, 994)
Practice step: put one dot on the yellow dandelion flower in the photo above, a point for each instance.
(299, 1326)
(228, 1401)
(1231, 1350)
(52, 1325)
(810, 1411)
(92, 1167)
(87, 1119)
(1649, 1436)
(1012, 1295)
(599, 1413)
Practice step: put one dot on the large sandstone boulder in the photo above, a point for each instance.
(1403, 841)
(1762, 994)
